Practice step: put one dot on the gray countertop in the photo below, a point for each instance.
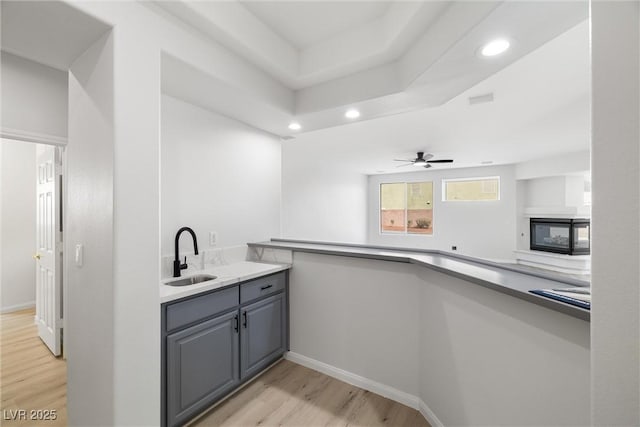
(499, 277)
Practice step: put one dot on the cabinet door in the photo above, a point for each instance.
(263, 334)
(202, 365)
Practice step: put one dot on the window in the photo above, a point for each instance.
(471, 189)
(406, 207)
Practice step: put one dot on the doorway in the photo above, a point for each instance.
(33, 371)
(32, 235)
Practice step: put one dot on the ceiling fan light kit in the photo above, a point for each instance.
(422, 160)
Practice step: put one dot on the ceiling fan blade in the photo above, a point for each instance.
(403, 160)
(428, 156)
(401, 166)
(440, 161)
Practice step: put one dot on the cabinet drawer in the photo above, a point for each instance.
(262, 286)
(186, 312)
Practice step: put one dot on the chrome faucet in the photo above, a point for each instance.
(177, 266)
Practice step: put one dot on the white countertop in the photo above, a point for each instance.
(226, 275)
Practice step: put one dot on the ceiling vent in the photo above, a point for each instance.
(481, 99)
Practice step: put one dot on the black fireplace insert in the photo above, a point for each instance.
(561, 236)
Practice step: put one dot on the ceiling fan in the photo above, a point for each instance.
(423, 160)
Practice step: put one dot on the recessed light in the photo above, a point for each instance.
(495, 47)
(294, 126)
(352, 113)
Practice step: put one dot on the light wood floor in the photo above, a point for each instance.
(286, 395)
(292, 395)
(31, 378)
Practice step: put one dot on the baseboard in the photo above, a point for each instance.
(17, 307)
(367, 384)
(356, 380)
(429, 415)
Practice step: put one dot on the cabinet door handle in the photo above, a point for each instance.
(266, 287)
(236, 319)
(244, 319)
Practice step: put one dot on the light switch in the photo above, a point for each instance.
(213, 238)
(79, 255)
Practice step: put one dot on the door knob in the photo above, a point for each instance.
(36, 256)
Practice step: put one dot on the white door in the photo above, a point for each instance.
(48, 266)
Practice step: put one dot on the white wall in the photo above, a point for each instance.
(555, 191)
(1, 226)
(217, 175)
(34, 96)
(89, 220)
(570, 163)
(545, 192)
(18, 193)
(323, 201)
(481, 229)
(615, 319)
(472, 355)
(136, 181)
(140, 38)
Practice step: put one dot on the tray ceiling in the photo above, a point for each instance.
(382, 58)
(303, 24)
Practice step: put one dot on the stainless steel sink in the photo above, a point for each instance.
(192, 280)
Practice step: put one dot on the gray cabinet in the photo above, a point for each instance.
(202, 365)
(263, 335)
(213, 342)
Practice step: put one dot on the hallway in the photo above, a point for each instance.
(32, 379)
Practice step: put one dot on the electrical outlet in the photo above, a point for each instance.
(213, 238)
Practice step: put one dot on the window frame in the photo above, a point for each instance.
(406, 193)
(479, 178)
